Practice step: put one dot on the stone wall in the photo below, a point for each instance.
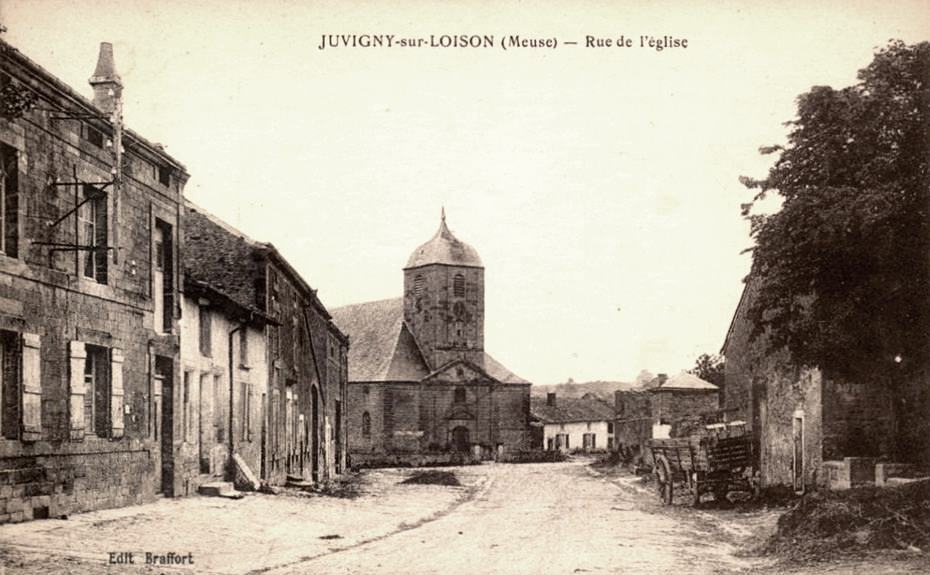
(51, 464)
(669, 406)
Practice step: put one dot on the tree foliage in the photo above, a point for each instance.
(709, 368)
(842, 266)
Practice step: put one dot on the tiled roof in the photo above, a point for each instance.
(568, 410)
(222, 258)
(444, 248)
(381, 348)
(686, 381)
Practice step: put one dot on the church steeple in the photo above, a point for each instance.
(444, 298)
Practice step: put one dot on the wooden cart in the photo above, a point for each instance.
(714, 462)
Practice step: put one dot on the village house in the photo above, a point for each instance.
(89, 306)
(224, 374)
(574, 423)
(421, 386)
(302, 392)
(665, 407)
(815, 429)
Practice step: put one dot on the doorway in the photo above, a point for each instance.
(164, 420)
(460, 439)
(798, 453)
(315, 433)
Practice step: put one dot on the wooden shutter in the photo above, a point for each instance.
(32, 387)
(77, 356)
(116, 393)
(168, 277)
(101, 393)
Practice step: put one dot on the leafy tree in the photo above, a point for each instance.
(842, 267)
(709, 368)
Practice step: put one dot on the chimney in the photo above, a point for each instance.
(108, 86)
(550, 399)
(662, 377)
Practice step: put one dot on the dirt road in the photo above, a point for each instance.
(539, 519)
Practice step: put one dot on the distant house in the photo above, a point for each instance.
(666, 406)
(584, 423)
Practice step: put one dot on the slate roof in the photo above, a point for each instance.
(571, 409)
(444, 248)
(217, 255)
(686, 381)
(383, 349)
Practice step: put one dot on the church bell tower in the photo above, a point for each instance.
(444, 299)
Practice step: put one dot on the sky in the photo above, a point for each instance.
(599, 185)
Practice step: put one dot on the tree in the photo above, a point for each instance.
(709, 368)
(842, 267)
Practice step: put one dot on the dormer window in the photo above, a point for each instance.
(458, 285)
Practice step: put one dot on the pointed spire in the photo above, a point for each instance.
(107, 84)
(444, 214)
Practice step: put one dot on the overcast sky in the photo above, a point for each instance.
(600, 186)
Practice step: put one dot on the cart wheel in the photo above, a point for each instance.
(663, 476)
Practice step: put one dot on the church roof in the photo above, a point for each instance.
(444, 248)
(381, 348)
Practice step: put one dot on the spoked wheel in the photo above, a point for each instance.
(663, 476)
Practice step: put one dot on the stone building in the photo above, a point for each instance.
(89, 301)
(667, 407)
(303, 426)
(224, 374)
(574, 423)
(420, 382)
(808, 425)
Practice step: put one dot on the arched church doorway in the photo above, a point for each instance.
(460, 439)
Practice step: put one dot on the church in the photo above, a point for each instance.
(421, 386)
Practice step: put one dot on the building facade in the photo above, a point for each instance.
(88, 296)
(223, 376)
(421, 385)
(574, 424)
(303, 424)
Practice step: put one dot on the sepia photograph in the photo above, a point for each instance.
(467, 287)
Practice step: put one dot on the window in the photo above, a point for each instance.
(244, 347)
(460, 395)
(93, 135)
(92, 221)
(458, 285)
(610, 427)
(10, 384)
(9, 201)
(589, 441)
(366, 424)
(418, 285)
(163, 276)
(164, 175)
(97, 391)
(206, 341)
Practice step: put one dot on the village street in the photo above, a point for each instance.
(534, 518)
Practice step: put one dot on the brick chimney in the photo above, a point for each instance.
(108, 86)
(662, 378)
(550, 399)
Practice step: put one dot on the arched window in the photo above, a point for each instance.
(458, 285)
(366, 425)
(459, 395)
(418, 285)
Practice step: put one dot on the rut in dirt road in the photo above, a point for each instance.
(545, 518)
